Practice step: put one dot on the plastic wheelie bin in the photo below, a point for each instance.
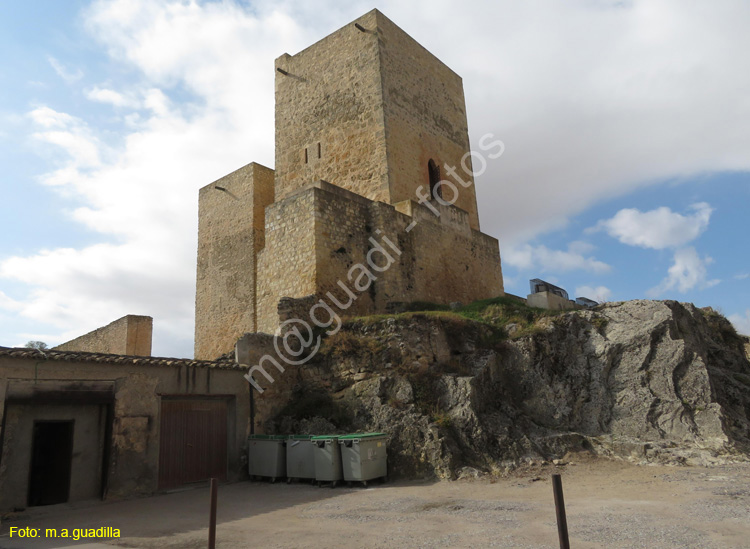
(266, 456)
(300, 457)
(364, 457)
(327, 459)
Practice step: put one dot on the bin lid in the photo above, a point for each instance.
(325, 437)
(299, 437)
(267, 437)
(362, 435)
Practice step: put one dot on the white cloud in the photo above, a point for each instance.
(112, 97)
(581, 247)
(82, 150)
(741, 323)
(9, 304)
(599, 293)
(79, 290)
(69, 76)
(657, 229)
(743, 276)
(541, 258)
(689, 271)
(80, 147)
(660, 229)
(50, 118)
(157, 102)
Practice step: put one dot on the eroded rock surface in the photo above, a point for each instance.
(643, 380)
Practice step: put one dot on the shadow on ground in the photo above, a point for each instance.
(170, 514)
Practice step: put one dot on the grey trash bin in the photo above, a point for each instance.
(364, 456)
(266, 456)
(300, 457)
(327, 459)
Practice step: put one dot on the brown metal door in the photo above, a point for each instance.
(193, 441)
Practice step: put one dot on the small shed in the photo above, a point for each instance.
(79, 425)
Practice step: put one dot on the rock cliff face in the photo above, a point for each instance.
(642, 380)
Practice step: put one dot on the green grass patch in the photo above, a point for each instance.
(370, 320)
(500, 312)
(497, 313)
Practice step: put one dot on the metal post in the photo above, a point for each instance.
(562, 522)
(212, 519)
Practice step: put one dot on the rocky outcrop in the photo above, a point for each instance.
(642, 380)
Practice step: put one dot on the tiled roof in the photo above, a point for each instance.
(225, 361)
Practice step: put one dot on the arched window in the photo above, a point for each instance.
(434, 171)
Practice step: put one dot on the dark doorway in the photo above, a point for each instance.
(434, 173)
(193, 441)
(51, 459)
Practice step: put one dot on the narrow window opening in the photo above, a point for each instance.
(305, 155)
(318, 149)
(434, 173)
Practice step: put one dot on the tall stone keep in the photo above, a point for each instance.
(368, 123)
(367, 108)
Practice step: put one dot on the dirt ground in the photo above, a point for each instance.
(609, 504)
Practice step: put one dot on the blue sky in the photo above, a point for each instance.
(639, 270)
(626, 172)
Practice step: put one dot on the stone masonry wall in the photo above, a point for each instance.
(331, 101)
(425, 118)
(129, 335)
(341, 238)
(231, 231)
(286, 266)
(453, 262)
(442, 259)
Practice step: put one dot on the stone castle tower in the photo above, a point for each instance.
(368, 123)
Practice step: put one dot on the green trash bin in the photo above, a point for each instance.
(266, 456)
(364, 456)
(300, 457)
(327, 459)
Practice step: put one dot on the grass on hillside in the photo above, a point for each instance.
(497, 312)
(500, 312)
